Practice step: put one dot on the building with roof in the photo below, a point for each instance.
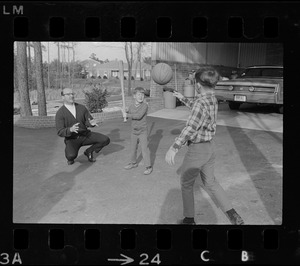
(111, 69)
(90, 67)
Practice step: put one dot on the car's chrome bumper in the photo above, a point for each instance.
(250, 97)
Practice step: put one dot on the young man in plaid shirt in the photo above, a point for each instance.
(198, 135)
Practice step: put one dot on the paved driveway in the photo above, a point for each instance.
(47, 190)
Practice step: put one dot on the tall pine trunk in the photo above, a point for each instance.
(29, 71)
(48, 66)
(73, 64)
(63, 60)
(25, 108)
(41, 97)
(59, 67)
(69, 68)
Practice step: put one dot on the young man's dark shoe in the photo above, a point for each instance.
(90, 156)
(234, 217)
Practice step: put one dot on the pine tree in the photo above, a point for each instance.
(41, 97)
(25, 108)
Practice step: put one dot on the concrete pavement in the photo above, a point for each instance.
(47, 190)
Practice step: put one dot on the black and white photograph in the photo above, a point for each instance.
(148, 133)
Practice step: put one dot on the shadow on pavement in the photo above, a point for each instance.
(54, 188)
(111, 148)
(153, 143)
(266, 180)
(46, 194)
(259, 120)
(114, 135)
(261, 108)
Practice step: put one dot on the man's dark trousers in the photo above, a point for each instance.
(97, 140)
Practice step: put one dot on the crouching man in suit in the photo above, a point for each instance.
(72, 122)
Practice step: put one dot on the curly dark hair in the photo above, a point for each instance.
(207, 76)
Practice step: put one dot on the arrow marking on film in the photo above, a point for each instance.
(126, 259)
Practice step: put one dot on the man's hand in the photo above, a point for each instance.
(178, 95)
(95, 121)
(74, 128)
(170, 156)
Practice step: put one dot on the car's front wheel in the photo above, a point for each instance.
(234, 105)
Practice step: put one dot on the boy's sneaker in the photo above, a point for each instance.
(131, 165)
(148, 170)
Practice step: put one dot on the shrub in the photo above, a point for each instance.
(95, 100)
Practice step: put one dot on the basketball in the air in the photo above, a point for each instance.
(162, 73)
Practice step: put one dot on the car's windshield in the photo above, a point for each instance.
(262, 72)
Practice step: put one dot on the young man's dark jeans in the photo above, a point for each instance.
(200, 159)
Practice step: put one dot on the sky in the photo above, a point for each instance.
(103, 50)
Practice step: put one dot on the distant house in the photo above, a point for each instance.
(111, 69)
(90, 67)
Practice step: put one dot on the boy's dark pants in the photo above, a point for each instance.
(200, 159)
(97, 140)
(143, 139)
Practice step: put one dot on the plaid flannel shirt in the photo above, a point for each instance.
(201, 124)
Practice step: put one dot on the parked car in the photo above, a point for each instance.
(256, 84)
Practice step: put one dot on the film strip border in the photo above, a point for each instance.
(164, 29)
(155, 245)
(146, 245)
(156, 21)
